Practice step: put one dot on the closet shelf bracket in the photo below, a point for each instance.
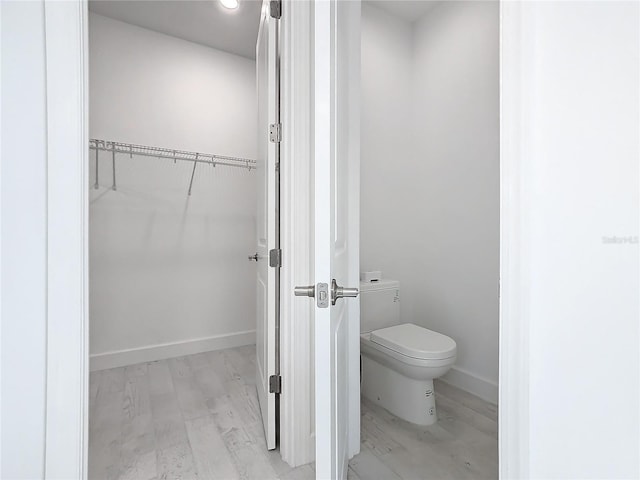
(132, 150)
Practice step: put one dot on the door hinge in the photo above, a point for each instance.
(275, 384)
(275, 8)
(275, 257)
(275, 132)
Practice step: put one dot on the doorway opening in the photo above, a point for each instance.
(183, 239)
(429, 239)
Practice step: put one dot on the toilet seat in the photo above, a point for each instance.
(415, 342)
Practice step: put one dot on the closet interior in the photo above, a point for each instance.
(172, 218)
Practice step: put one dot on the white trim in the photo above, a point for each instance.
(151, 353)
(350, 15)
(323, 107)
(1, 250)
(67, 239)
(470, 382)
(297, 436)
(513, 425)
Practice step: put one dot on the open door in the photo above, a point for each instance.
(267, 219)
(336, 237)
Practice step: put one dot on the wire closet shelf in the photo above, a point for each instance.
(132, 149)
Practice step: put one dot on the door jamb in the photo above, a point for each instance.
(516, 43)
(297, 440)
(67, 348)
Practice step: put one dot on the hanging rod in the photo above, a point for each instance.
(165, 153)
(171, 154)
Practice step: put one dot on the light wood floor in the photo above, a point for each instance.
(198, 417)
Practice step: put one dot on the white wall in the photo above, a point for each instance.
(452, 286)
(166, 267)
(386, 149)
(430, 174)
(23, 224)
(579, 72)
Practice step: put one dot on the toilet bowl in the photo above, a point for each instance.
(400, 361)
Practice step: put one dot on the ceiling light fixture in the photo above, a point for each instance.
(230, 4)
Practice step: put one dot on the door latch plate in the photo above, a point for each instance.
(322, 295)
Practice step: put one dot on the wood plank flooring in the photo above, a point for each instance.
(198, 417)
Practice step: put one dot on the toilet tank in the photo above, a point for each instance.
(379, 305)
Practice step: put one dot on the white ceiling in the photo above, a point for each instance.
(205, 22)
(208, 23)
(409, 10)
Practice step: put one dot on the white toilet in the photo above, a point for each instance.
(399, 361)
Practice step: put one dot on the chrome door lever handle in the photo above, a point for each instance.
(254, 257)
(320, 292)
(341, 292)
(306, 291)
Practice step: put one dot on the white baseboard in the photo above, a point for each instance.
(121, 358)
(472, 383)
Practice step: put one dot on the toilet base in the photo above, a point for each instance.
(412, 400)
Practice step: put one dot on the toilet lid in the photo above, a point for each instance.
(414, 341)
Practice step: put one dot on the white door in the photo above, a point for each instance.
(267, 223)
(336, 236)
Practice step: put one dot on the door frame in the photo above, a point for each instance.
(67, 347)
(516, 42)
(297, 427)
(68, 267)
